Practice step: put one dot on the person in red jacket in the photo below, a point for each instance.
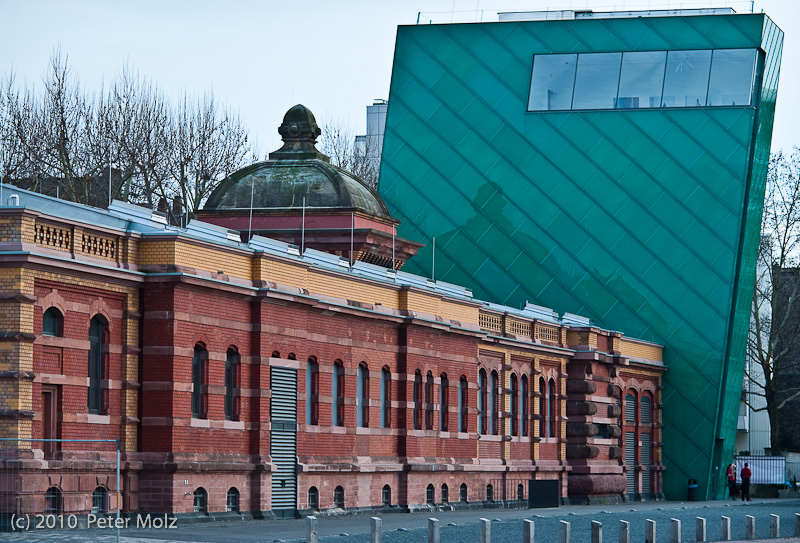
(746, 474)
(731, 473)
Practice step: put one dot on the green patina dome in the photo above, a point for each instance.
(296, 171)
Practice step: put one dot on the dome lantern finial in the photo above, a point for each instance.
(299, 132)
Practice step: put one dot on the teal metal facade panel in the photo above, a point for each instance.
(644, 220)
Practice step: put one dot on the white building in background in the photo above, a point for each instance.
(372, 142)
(753, 431)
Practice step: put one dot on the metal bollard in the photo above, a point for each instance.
(774, 525)
(725, 529)
(797, 524)
(701, 529)
(563, 531)
(486, 530)
(376, 530)
(749, 527)
(527, 531)
(674, 530)
(311, 530)
(649, 531)
(433, 530)
(624, 531)
(597, 532)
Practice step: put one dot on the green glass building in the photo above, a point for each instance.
(611, 165)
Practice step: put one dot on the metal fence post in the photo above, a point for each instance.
(563, 531)
(624, 531)
(311, 530)
(797, 524)
(433, 530)
(527, 531)
(774, 525)
(485, 530)
(725, 529)
(376, 530)
(749, 527)
(674, 531)
(649, 531)
(597, 532)
(701, 529)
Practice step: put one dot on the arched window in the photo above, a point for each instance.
(524, 410)
(231, 385)
(445, 494)
(98, 349)
(463, 404)
(489, 493)
(337, 405)
(386, 398)
(520, 492)
(514, 405)
(200, 500)
(232, 504)
(418, 400)
(646, 412)
(444, 392)
(553, 397)
(430, 495)
(313, 498)
(52, 322)
(494, 403)
(462, 492)
(386, 496)
(99, 501)
(338, 497)
(312, 392)
(630, 409)
(543, 422)
(483, 398)
(52, 501)
(429, 401)
(199, 382)
(362, 396)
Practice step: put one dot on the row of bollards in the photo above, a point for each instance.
(485, 527)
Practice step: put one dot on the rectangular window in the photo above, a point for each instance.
(731, 82)
(231, 378)
(641, 80)
(686, 80)
(552, 82)
(199, 369)
(596, 81)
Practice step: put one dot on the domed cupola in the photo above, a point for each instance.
(298, 196)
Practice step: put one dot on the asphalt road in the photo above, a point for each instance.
(462, 526)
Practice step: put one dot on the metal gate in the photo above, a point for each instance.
(630, 461)
(283, 441)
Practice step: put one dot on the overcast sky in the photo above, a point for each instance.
(262, 57)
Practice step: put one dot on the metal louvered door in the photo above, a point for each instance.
(644, 454)
(630, 461)
(283, 441)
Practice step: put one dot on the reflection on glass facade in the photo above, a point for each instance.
(686, 80)
(552, 81)
(732, 73)
(642, 79)
(644, 221)
(596, 81)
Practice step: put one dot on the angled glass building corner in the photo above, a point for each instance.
(611, 167)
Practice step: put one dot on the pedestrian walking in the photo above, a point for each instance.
(732, 481)
(746, 474)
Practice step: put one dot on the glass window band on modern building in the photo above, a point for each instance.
(642, 79)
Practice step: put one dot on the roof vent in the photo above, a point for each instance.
(13, 200)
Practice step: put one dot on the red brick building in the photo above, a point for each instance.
(248, 378)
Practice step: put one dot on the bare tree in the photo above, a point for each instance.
(360, 156)
(128, 142)
(773, 354)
